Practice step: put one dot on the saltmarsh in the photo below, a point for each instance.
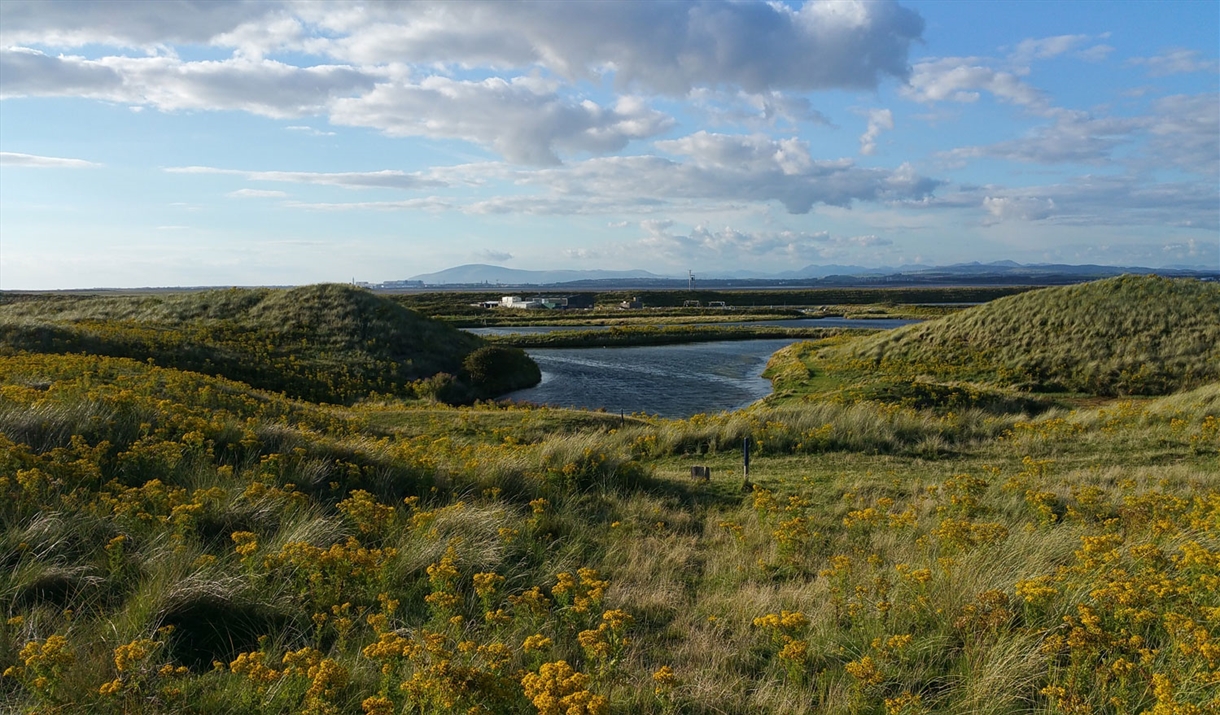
(176, 542)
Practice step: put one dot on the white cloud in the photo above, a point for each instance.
(1177, 61)
(258, 86)
(256, 194)
(1181, 131)
(879, 120)
(757, 111)
(1096, 53)
(430, 203)
(310, 131)
(523, 119)
(385, 179)
(662, 47)
(1075, 137)
(1022, 208)
(9, 158)
(1090, 201)
(1046, 47)
(494, 256)
(730, 168)
(124, 23)
(961, 79)
(1185, 132)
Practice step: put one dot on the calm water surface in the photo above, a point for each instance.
(667, 380)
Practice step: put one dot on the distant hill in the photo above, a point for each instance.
(1125, 335)
(476, 273)
(1006, 272)
(327, 343)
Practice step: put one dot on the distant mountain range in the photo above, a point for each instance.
(477, 274)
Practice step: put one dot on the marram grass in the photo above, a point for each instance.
(180, 543)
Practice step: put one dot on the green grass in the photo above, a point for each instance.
(329, 343)
(1132, 335)
(176, 542)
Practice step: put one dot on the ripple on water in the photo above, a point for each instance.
(667, 380)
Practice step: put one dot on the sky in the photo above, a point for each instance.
(178, 143)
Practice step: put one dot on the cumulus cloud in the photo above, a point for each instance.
(962, 79)
(660, 47)
(9, 158)
(1177, 61)
(258, 86)
(1023, 208)
(385, 179)
(730, 168)
(125, 23)
(879, 120)
(524, 119)
(385, 58)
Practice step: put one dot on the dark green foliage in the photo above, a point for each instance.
(496, 369)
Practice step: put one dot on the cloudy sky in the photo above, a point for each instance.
(242, 143)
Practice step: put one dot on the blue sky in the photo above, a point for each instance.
(235, 143)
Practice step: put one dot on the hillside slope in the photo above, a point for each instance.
(329, 343)
(1139, 335)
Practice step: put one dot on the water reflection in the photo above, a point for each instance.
(668, 380)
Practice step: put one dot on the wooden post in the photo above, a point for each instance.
(745, 456)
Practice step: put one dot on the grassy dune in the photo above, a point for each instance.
(176, 542)
(329, 343)
(1132, 335)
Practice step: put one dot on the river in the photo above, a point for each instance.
(666, 380)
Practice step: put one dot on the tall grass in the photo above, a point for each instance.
(180, 543)
(1140, 335)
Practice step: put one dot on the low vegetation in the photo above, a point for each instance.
(1131, 335)
(325, 343)
(618, 336)
(179, 542)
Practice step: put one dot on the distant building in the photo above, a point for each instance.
(513, 301)
(401, 284)
(633, 304)
(582, 300)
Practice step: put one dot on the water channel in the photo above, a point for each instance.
(666, 380)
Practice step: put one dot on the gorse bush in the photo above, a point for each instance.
(176, 542)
